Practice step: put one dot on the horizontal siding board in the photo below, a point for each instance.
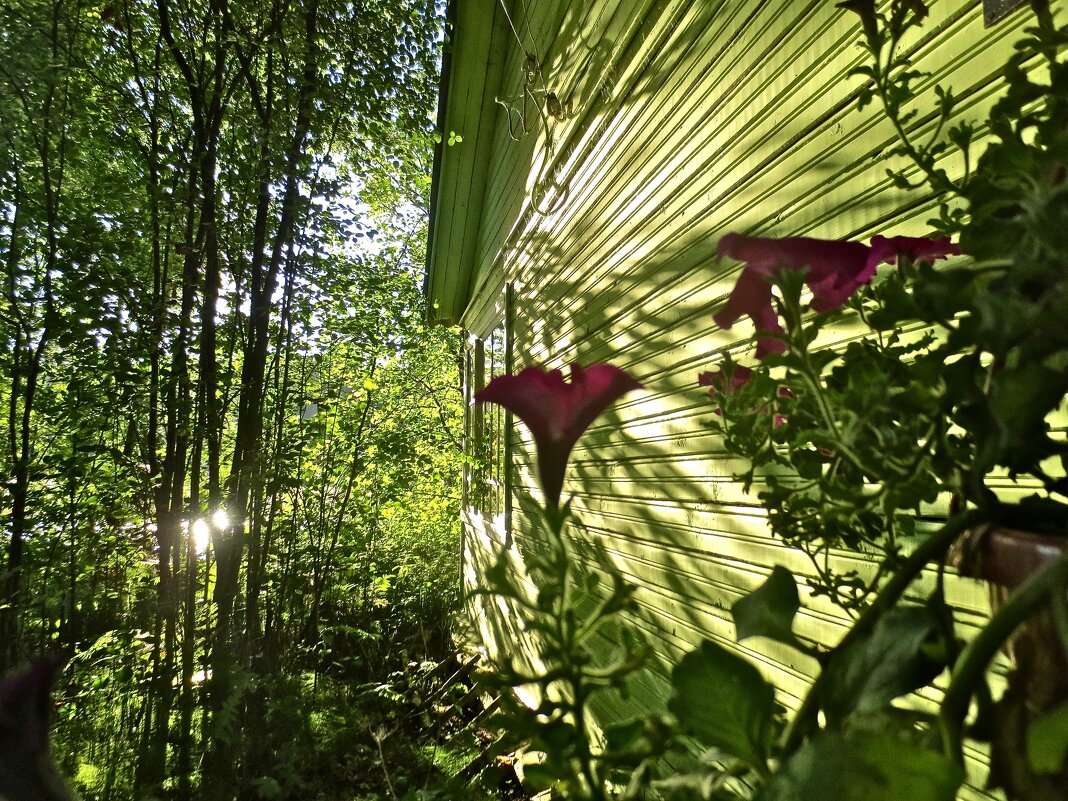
(612, 231)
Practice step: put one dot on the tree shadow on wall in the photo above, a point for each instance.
(652, 489)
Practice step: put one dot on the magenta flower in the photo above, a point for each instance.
(719, 383)
(752, 296)
(557, 412)
(834, 271)
(914, 248)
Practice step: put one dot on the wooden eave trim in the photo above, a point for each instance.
(467, 105)
(439, 148)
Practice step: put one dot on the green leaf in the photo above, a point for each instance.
(542, 776)
(769, 610)
(267, 788)
(868, 767)
(1047, 741)
(724, 702)
(629, 744)
(1019, 401)
(622, 735)
(893, 660)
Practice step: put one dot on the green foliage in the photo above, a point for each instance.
(275, 156)
(1008, 211)
(847, 735)
(901, 654)
(958, 378)
(769, 610)
(1047, 741)
(96, 744)
(725, 703)
(964, 366)
(864, 767)
(572, 614)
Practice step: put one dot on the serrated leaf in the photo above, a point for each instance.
(724, 702)
(769, 610)
(864, 767)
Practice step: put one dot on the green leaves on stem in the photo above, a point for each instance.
(769, 610)
(572, 613)
(903, 653)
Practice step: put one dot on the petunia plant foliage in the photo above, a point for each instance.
(943, 404)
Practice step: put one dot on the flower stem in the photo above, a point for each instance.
(883, 79)
(1059, 613)
(934, 547)
(568, 635)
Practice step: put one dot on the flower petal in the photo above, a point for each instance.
(592, 390)
(557, 412)
(537, 397)
(915, 248)
(717, 382)
(835, 270)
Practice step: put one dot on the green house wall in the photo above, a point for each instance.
(684, 120)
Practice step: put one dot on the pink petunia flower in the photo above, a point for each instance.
(557, 412)
(752, 296)
(718, 384)
(914, 248)
(834, 271)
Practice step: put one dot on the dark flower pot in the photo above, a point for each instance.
(1005, 558)
(1038, 682)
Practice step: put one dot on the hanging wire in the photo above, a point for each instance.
(534, 102)
(526, 24)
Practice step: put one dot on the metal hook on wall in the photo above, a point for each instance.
(533, 103)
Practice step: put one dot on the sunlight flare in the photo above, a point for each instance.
(220, 520)
(201, 535)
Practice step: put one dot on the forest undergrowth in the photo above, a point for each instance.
(230, 459)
